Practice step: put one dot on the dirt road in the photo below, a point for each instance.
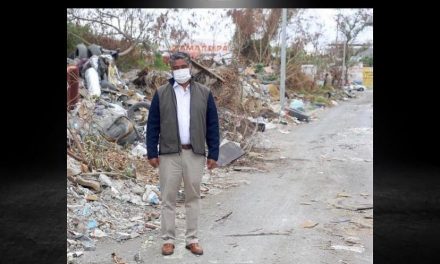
(312, 205)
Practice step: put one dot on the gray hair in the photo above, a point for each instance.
(180, 56)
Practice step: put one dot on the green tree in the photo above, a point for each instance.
(367, 61)
(76, 35)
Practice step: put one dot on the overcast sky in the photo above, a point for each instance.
(212, 25)
(324, 16)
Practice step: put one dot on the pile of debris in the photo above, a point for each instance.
(100, 206)
(112, 191)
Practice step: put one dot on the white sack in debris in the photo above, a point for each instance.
(92, 80)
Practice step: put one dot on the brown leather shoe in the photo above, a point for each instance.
(195, 248)
(167, 249)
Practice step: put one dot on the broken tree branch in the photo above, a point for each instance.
(73, 155)
(207, 70)
(263, 234)
(151, 226)
(77, 143)
(87, 183)
(106, 173)
(224, 217)
(358, 208)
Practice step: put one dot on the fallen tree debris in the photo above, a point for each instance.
(263, 234)
(224, 217)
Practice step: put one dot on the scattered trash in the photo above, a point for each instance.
(298, 114)
(151, 226)
(362, 223)
(334, 103)
(249, 71)
(287, 233)
(139, 151)
(75, 254)
(137, 257)
(341, 220)
(122, 236)
(270, 126)
(134, 235)
(151, 195)
(274, 92)
(297, 105)
(342, 195)
(72, 255)
(349, 248)
(283, 131)
(353, 207)
(352, 240)
(228, 153)
(92, 82)
(87, 183)
(107, 118)
(91, 197)
(117, 260)
(117, 110)
(105, 181)
(224, 217)
(309, 224)
(98, 233)
(121, 131)
(92, 224)
(88, 245)
(243, 168)
(139, 113)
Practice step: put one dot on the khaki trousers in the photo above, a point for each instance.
(172, 169)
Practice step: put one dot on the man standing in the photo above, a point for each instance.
(182, 118)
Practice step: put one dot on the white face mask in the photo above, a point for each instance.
(181, 75)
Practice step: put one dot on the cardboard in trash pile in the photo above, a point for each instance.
(273, 91)
(249, 71)
(228, 153)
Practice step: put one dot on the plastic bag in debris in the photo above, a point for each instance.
(92, 82)
(122, 130)
(150, 196)
(107, 57)
(139, 151)
(114, 76)
(94, 62)
(297, 104)
(117, 110)
(105, 180)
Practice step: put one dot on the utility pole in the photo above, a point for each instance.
(283, 61)
(343, 65)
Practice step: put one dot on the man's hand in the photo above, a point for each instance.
(154, 162)
(211, 164)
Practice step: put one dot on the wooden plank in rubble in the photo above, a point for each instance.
(207, 70)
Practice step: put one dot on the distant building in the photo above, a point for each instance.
(204, 47)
